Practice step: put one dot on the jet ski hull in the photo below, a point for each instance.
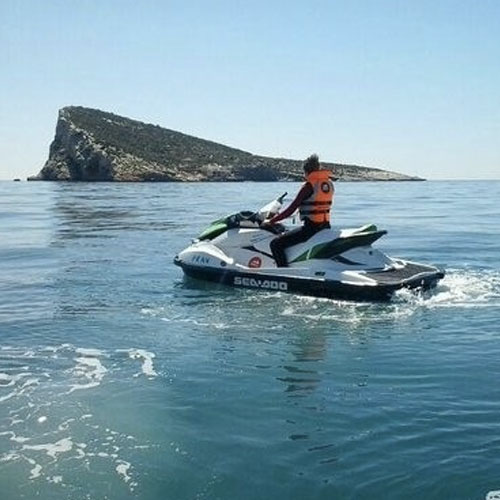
(385, 283)
(334, 263)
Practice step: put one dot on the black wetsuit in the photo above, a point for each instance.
(298, 235)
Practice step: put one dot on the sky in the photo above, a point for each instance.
(406, 85)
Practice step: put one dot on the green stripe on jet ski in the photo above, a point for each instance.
(340, 245)
(216, 228)
(368, 228)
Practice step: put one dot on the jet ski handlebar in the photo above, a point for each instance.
(272, 208)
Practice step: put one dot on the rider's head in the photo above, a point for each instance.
(311, 164)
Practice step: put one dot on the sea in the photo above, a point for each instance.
(121, 379)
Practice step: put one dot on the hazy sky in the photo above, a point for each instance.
(410, 85)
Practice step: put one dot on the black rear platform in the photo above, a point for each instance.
(410, 274)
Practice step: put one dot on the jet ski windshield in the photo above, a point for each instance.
(272, 208)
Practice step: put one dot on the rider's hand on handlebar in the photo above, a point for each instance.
(269, 226)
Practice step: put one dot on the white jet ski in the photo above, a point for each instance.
(334, 263)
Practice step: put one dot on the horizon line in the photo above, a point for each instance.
(480, 179)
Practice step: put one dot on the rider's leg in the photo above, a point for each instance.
(289, 239)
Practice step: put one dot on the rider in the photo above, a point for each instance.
(314, 201)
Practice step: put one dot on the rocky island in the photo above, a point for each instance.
(93, 145)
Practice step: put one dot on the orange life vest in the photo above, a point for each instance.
(316, 208)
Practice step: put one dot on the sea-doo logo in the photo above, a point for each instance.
(257, 283)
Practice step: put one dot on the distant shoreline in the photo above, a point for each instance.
(94, 145)
(28, 179)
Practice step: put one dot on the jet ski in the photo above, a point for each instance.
(334, 263)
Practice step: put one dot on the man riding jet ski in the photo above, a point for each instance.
(242, 250)
(313, 201)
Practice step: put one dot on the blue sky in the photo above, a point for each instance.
(410, 86)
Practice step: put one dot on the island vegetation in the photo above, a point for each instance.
(94, 145)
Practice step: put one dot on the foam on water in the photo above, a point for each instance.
(14, 437)
(89, 352)
(36, 471)
(459, 288)
(7, 380)
(16, 384)
(44, 426)
(55, 479)
(52, 449)
(122, 469)
(147, 361)
(90, 368)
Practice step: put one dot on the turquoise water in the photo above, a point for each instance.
(121, 380)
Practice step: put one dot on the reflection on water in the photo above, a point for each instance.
(83, 211)
(303, 376)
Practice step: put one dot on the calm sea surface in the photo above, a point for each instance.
(121, 380)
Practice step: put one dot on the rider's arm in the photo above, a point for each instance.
(304, 193)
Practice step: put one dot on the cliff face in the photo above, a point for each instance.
(91, 145)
